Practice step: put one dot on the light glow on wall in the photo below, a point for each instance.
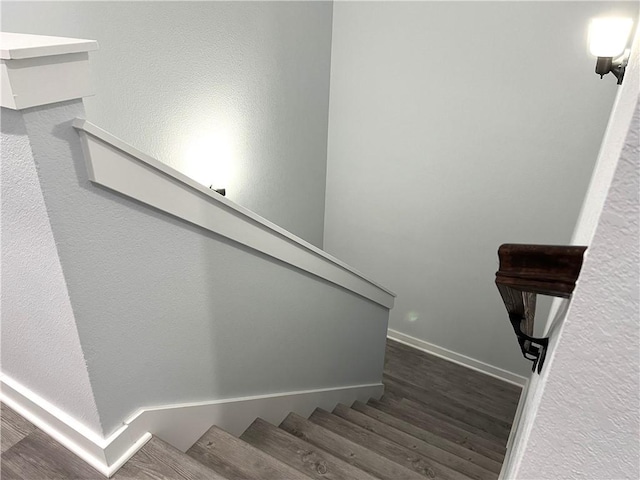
(209, 156)
(608, 36)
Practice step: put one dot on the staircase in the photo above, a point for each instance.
(437, 420)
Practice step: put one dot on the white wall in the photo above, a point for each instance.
(169, 313)
(590, 393)
(40, 344)
(215, 89)
(455, 127)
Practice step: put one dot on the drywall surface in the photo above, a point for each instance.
(610, 149)
(586, 421)
(40, 344)
(455, 127)
(618, 132)
(169, 313)
(233, 94)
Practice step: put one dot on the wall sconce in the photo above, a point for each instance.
(608, 40)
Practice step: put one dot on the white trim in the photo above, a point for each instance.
(118, 166)
(458, 358)
(179, 425)
(24, 45)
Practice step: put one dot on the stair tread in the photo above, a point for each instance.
(158, 459)
(39, 456)
(450, 432)
(414, 444)
(429, 437)
(310, 459)
(428, 371)
(434, 415)
(349, 451)
(444, 405)
(396, 453)
(235, 459)
(394, 398)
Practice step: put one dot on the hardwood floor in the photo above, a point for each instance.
(437, 420)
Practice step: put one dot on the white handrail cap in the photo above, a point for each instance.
(15, 46)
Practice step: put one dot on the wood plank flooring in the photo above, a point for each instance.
(437, 421)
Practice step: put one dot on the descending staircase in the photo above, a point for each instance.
(437, 420)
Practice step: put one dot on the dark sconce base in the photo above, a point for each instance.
(221, 191)
(606, 65)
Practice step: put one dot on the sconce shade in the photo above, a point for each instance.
(608, 36)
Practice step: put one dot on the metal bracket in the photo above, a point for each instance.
(533, 349)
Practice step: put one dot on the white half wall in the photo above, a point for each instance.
(233, 94)
(455, 127)
(40, 343)
(170, 313)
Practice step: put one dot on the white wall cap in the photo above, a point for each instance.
(110, 162)
(14, 46)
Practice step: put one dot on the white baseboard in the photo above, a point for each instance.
(179, 425)
(457, 358)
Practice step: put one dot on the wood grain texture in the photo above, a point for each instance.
(414, 444)
(237, 460)
(38, 456)
(350, 452)
(429, 437)
(158, 460)
(440, 405)
(545, 269)
(462, 437)
(462, 388)
(452, 376)
(410, 459)
(13, 427)
(303, 456)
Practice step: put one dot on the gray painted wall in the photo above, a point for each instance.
(212, 87)
(169, 313)
(455, 127)
(40, 345)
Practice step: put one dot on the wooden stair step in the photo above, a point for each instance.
(427, 371)
(429, 437)
(351, 452)
(422, 465)
(450, 432)
(157, 459)
(462, 393)
(454, 372)
(309, 459)
(414, 444)
(454, 421)
(237, 460)
(450, 407)
(38, 456)
(393, 398)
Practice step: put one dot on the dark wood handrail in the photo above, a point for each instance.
(528, 270)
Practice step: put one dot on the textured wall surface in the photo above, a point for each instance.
(586, 406)
(455, 127)
(170, 313)
(40, 344)
(233, 94)
(590, 403)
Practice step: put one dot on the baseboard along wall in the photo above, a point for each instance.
(180, 425)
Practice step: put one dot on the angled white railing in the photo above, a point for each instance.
(118, 166)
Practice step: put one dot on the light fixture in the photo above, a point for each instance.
(608, 41)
